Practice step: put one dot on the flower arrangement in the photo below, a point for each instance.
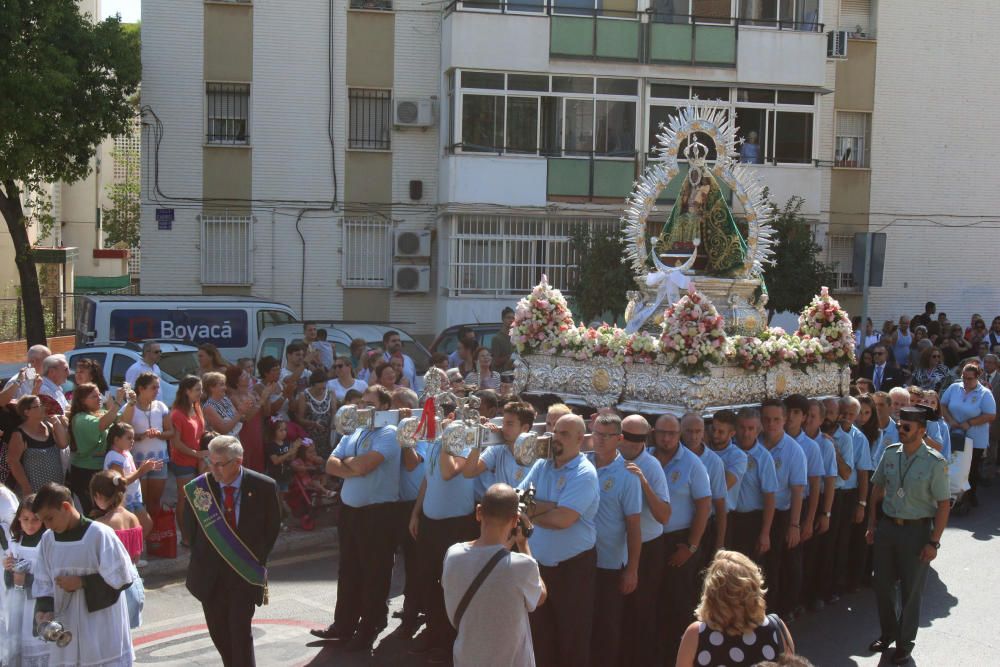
(693, 334)
(641, 348)
(825, 321)
(583, 343)
(539, 320)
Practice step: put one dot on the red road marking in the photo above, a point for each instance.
(165, 634)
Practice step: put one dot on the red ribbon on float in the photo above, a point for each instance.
(428, 420)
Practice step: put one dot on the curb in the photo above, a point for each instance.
(291, 541)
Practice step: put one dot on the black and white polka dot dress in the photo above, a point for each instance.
(718, 649)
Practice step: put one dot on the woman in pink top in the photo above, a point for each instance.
(107, 491)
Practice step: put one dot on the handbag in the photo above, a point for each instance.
(784, 640)
(476, 583)
(162, 540)
(957, 439)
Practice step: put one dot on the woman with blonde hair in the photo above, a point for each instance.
(733, 626)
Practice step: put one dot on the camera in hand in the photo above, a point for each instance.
(55, 632)
(507, 377)
(525, 501)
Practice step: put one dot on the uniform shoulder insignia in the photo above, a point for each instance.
(936, 454)
(897, 445)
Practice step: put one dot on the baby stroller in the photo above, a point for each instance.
(305, 502)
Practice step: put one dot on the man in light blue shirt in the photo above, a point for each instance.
(693, 437)
(690, 505)
(856, 547)
(754, 513)
(411, 475)
(639, 630)
(368, 462)
(784, 566)
(619, 537)
(845, 500)
(498, 461)
(443, 514)
(797, 407)
(720, 438)
(818, 547)
(564, 514)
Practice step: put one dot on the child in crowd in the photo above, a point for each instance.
(79, 579)
(309, 470)
(121, 438)
(109, 491)
(353, 397)
(20, 646)
(280, 452)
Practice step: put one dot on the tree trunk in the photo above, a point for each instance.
(34, 319)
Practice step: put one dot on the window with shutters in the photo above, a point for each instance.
(840, 255)
(854, 133)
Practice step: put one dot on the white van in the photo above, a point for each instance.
(231, 323)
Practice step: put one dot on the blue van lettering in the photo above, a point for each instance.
(223, 328)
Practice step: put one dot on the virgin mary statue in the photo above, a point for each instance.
(701, 222)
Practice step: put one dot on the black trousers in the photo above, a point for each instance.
(977, 460)
(790, 574)
(826, 557)
(641, 608)
(842, 542)
(774, 561)
(228, 616)
(560, 628)
(812, 559)
(434, 538)
(79, 483)
(744, 529)
(605, 644)
(678, 595)
(367, 538)
(857, 555)
(412, 603)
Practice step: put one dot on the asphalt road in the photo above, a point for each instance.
(303, 593)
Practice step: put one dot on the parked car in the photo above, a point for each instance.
(447, 340)
(231, 323)
(273, 341)
(177, 360)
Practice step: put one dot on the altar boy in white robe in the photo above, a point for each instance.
(81, 571)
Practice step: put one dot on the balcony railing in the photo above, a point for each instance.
(643, 37)
(592, 176)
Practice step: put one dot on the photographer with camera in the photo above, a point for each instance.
(488, 590)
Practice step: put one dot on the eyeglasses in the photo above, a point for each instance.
(219, 464)
(903, 426)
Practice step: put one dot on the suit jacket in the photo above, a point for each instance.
(258, 526)
(892, 376)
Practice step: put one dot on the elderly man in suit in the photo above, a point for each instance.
(236, 513)
(883, 376)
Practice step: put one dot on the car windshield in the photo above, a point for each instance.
(175, 365)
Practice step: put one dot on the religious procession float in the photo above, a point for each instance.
(696, 335)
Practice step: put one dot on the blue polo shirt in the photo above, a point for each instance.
(380, 485)
(573, 485)
(409, 480)
(504, 467)
(964, 406)
(716, 475)
(735, 461)
(653, 472)
(790, 469)
(862, 453)
(814, 462)
(446, 499)
(687, 481)
(759, 479)
(936, 429)
(827, 454)
(844, 444)
(888, 436)
(621, 497)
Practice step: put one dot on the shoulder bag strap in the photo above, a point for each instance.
(476, 583)
(783, 637)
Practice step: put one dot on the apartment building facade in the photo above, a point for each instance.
(397, 161)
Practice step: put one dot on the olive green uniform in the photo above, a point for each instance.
(913, 488)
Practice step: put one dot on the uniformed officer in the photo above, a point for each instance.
(797, 406)
(639, 632)
(443, 514)
(567, 500)
(911, 483)
(619, 538)
(812, 555)
(786, 529)
(693, 437)
(498, 462)
(690, 504)
(720, 439)
(754, 513)
(368, 462)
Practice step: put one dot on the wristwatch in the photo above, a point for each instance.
(693, 548)
(828, 515)
(936, 545)
(863, 503)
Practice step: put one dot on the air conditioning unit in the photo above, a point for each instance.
(410, 243)
(413, 112)
(411, 279)
(836, 44)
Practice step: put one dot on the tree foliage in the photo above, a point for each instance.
(121, 221)
(601, 280)
(797, 273)
(65, 84)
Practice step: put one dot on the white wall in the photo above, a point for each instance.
(494, 41)
(934, 158)
(505, 180)
(784, 57)
(786, 181)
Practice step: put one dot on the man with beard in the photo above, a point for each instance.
(690, 504)
(639, 615)
(734, 459)
(563, 543)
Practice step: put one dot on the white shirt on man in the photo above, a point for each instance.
(140, 367)
(55, 392)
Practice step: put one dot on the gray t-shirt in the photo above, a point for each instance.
(494, 629)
